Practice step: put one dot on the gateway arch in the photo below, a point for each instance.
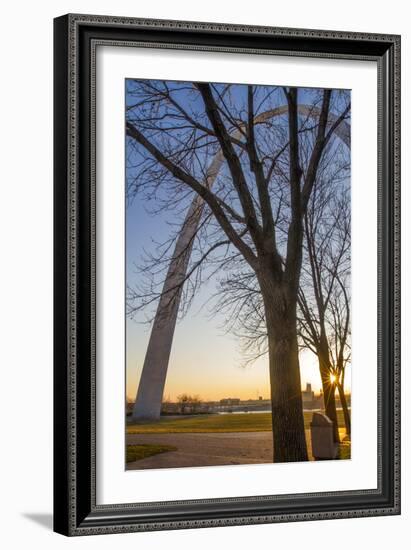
(153, 377)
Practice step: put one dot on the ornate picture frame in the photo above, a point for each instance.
(76, 39)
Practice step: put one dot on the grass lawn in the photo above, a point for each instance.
(137, 452)
(345, 448)
(214, 423)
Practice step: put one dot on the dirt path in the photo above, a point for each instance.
(206, 449)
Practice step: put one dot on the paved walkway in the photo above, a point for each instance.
(207, 449)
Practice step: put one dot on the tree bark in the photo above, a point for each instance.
(286, 399)
(346, 412)
(329, 398)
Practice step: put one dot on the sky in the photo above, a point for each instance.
(205, 359)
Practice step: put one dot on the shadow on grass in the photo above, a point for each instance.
(344, 451)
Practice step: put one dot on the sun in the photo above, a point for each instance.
(333, 379)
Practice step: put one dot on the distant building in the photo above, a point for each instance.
(308, 396)
(169, 408)
(229, 401)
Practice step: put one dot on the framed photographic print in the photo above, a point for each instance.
(227, 278)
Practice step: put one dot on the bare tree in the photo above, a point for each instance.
(324, 295)
(324, 302)
(254, 213)
(341, 348)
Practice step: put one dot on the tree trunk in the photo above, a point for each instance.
(347, 417)
(329, 398)
(286, 400)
